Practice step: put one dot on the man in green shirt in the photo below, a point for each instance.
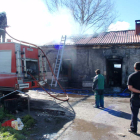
(98, 88)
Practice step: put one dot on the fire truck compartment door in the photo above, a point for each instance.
(5, 61)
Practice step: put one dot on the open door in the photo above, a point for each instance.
(114, 72)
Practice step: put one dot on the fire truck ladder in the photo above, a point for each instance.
(42, 65)
(58, 61)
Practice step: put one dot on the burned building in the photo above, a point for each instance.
(114, 53)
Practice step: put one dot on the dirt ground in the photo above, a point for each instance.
(78, 120)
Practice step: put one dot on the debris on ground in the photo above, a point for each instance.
(7, 123)
(17, 124)
(121, 134)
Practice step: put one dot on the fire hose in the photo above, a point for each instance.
(67, 98)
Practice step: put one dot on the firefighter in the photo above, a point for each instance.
(3, 25)
(98, 88)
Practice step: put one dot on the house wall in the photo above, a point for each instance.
(85, 60)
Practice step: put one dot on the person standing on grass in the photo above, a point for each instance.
(134, 86)
(98, 88)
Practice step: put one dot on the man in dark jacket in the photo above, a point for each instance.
(98, 88)
(134, 86)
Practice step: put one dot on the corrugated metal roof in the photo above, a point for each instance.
(113, 37)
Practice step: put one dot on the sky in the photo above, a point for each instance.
(30, 21)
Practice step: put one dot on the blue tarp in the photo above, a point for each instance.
(84, 92)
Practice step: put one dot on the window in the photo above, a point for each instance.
(5, 61)
(117, 65)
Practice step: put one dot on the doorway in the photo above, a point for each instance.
(114, 72)
(66, 70)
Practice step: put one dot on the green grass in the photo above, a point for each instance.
(9, 133)
(28, 121)
(4, 115)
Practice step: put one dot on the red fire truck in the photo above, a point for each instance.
(18, 63)
(22, 67)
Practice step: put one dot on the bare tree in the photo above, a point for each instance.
(90, 14)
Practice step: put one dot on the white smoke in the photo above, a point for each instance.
(30, 21)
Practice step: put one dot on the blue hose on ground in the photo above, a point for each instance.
(123, 94)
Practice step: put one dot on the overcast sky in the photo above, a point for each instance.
(29, 20)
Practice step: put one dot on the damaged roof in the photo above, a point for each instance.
(113, 37)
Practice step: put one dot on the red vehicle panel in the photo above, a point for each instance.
(31, 53)
(16, 62)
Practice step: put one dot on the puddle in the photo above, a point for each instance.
(96, 131)
(74, 95)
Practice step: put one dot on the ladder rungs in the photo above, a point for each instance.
(58, 61)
